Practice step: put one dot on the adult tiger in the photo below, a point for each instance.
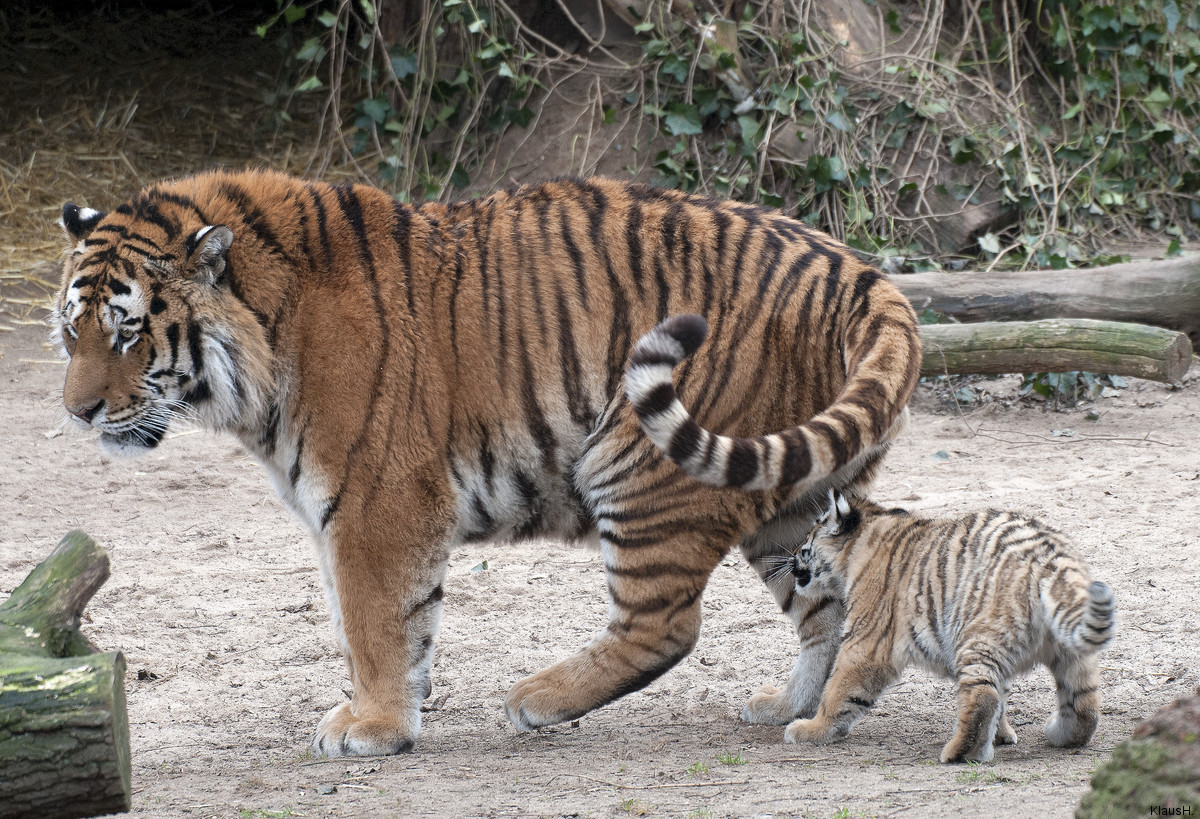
(414, 377)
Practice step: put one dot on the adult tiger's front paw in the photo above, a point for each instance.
(341, 733)
(770, 706)
(541, 699)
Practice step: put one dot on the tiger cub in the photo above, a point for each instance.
(980, 599)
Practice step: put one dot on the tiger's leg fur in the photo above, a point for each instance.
(1078, 679)
(980, 686)
(387, 584)
(661, 536)
(857, 680)
(817, 615)
(1005, 735)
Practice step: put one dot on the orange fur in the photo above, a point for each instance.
(413, 377)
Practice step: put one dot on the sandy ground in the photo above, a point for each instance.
(215, 600)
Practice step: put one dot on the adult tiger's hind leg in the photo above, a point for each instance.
(661, 534)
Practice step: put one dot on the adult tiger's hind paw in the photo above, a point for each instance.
(341, 733)
(540, 700)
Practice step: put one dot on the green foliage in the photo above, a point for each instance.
(1069, 122)
(1068, 389)
(420, 110)
(1102, 131)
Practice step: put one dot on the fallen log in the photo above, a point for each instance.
(1165, 293)
(1055, 345)
(64, 732)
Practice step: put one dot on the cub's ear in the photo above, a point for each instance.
(844, 516)
(207, 252)
(78, 222)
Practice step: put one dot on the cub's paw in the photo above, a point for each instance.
(1068, 729)
(956, 751)
(810, 730)
(1005, 735)
(770, 706)
(340, 733)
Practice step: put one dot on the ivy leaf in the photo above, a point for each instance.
(682, 119)
(377, 109)
(1157, 101)
(1170, 11)
(404, 63)
(838, 120)
(990, 243)
(311, 84)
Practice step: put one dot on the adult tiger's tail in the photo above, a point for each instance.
(874, 396)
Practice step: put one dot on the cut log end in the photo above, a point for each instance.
(64, 730)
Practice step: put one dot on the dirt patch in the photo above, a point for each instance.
(215, 600)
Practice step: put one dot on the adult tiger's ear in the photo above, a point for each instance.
(207, 253)
(77, 223)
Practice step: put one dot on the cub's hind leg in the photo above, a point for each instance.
(383, 575)
(816, 610)
(1078, 680)
(980, 713)
(1005, 735)
(662, 534)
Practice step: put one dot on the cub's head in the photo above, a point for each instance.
(838, 525)
(148, 317)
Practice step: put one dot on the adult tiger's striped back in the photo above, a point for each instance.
(412, 377)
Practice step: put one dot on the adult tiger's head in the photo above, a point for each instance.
(150, 320)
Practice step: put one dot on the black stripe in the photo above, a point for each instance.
(173, 342)
(657, 401)
(685, 442)
(633, 240)
(195, 348)
(743, 462)
(576, 256)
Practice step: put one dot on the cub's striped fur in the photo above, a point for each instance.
(979, 599)
(417, 377)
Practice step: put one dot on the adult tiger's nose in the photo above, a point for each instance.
(86, 413)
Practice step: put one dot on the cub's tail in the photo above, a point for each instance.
(1088, 623)
(882, 372)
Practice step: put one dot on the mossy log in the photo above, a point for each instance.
(1164, 293)
(64, 732)
(1056, 345)
(1156, 772)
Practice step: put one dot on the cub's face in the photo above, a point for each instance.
(131, 317)
(813, 563)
